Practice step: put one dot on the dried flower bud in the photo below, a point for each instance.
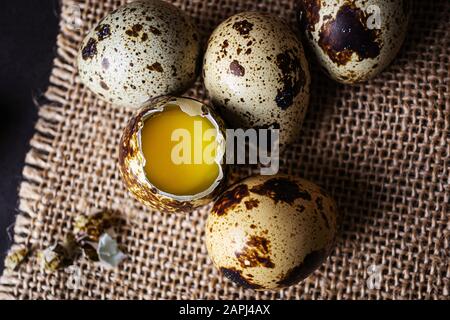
(15, 258)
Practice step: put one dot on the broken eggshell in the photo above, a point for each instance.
(270, 232)
(108, 252)
(60, 255)
(256, 74)
(141, 50)
(16, 257)
(354, 40)
(91, 227)
(132, 160)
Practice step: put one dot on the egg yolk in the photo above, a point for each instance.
(180, 151)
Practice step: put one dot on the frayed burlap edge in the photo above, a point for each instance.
(36, 164)
(36, 172)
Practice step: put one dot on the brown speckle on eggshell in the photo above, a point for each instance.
(346, 39)
(256, 74)
(269, 232)
(141, 43)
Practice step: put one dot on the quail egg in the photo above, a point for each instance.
(142, 50)
(170, 154)
(256, 74)
(355, 40)
(270, 232)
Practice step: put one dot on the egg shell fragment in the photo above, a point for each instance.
(270, 232)
(140, 51)
(355, 40)
(256, 74)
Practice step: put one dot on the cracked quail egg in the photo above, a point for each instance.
(270, 232)
(170, 154)
(142, 50)
(256, 74)
(355, 40)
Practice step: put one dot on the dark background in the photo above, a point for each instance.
(28, 30)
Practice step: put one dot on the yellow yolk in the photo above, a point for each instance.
(180, 152)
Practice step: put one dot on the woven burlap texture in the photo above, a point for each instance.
(381, 148)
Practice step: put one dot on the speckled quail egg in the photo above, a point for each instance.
(354, 40)
(270, 232)
(256, 74)
(146, 155)
(142, 50)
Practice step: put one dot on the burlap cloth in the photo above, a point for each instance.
(381, 148)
